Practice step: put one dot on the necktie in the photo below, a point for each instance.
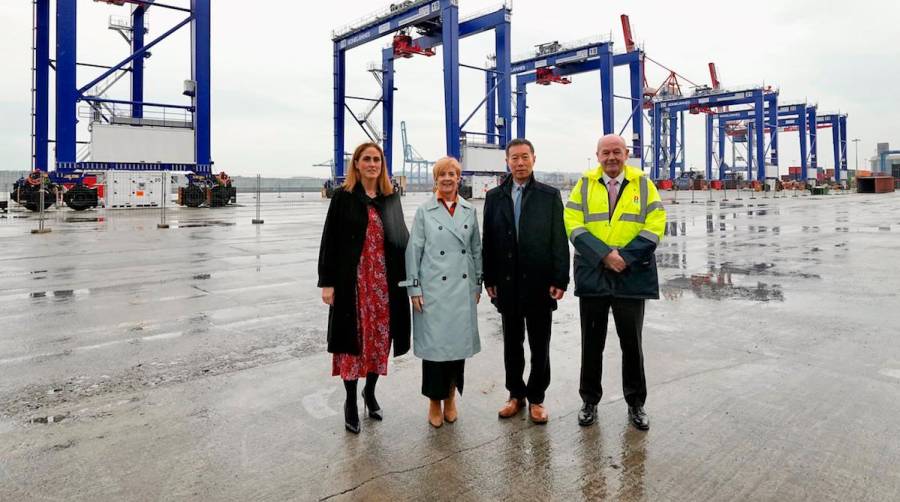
(613, 189)
(517, 205)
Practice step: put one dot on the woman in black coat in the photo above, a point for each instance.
(361, 263)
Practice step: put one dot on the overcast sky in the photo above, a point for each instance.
(272, 73)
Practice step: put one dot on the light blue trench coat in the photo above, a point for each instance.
(443, 265)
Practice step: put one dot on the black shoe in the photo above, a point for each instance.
(638, 417)
(351, 418)
(371, 405)
(588, 414)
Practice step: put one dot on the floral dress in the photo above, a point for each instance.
(372, 309)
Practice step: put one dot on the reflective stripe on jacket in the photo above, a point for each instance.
(635, 229)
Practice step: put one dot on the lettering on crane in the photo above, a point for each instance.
(580, 55)
(359, 38)
(423, 11)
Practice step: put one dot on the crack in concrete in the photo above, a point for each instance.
(422, 466)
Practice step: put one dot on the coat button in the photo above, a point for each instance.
(442, 253)
(509, 232)
(509, 255)
(524, 276)
(463, 251)
(465, 276)
(444, 278)
(440, 227)
(508, 278)
(465, 226)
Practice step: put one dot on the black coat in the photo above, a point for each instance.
(523, 267)
(342, 242)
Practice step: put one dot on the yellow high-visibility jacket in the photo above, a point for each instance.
(635, 228)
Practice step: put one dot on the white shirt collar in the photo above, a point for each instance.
(620, 178)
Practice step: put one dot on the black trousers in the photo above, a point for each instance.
(439, 378)
(538, 323)
(629, 318)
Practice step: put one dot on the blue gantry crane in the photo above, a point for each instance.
(789, 116)
(553, 63)
(69, 92)
(125, 123)
(665, 107)
(838, 124)
(437, 24)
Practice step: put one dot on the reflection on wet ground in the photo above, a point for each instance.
(718, 285)
(84, 219)
(200, 224)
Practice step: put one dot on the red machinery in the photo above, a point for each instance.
(404, 47)
(546, 76)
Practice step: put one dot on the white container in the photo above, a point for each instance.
(133, 189)
(481, 185)
(480, 158)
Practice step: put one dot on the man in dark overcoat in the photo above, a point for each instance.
(526, 270)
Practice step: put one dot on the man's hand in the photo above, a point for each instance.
(614, 261)
(328, 296)
(556, 293)
(418, 302)
(492, 291)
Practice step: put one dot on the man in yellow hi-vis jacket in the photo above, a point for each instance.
(615, 219)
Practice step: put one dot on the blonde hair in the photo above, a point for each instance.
(444, 164)
(353, 177)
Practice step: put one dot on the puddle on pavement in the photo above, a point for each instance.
(63, 294)
(718, 283)
(762, 269)
(196, 224)
(84, 219)
(51, 419)
(719, 286)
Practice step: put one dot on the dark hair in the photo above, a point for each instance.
(517, 142)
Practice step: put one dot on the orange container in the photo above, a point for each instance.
(875, 184)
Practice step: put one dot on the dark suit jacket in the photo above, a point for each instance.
(523, 267)
(342, 242)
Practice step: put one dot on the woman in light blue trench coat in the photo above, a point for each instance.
(443, 272)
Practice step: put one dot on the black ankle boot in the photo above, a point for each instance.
(351, 412)
(368, 395)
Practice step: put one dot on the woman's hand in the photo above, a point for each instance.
(328, 296)
(418, 303)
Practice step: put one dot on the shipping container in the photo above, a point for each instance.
(875, 184)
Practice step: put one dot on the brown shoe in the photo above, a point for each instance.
(538, 414)
(435, 417)
(511, 408)
(450, 413)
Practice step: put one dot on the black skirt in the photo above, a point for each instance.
(438, 377)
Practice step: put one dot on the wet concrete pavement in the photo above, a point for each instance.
(189, 363)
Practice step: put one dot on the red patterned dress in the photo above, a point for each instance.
(372, 309)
